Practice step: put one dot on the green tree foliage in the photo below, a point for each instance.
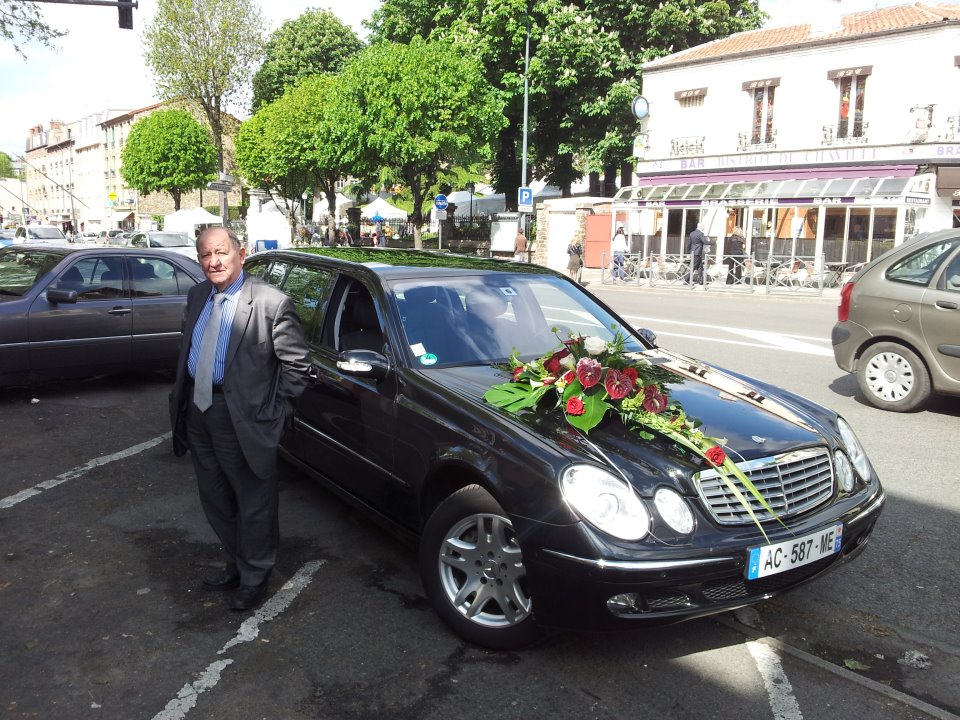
(585, 67)
(412, 113)
(22, 22)
(168, 151)
(205, 50)
(315, 42)
(6, 166)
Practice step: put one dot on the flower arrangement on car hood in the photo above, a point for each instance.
(590, 377)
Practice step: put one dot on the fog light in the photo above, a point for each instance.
(623, 604)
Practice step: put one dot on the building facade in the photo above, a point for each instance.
(834, 140)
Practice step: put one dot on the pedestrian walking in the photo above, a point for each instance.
(243, 359)
(574, 259)
(520, 246)
(698, 245)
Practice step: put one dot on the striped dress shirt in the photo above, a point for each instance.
(230, 300)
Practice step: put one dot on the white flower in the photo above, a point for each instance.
(594, 345)
(569, 362)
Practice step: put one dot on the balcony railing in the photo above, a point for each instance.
(855, 134)
(754, 141)
(685, 146)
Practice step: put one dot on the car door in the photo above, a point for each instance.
(159, 289)
(940, 317)
(91, 335)
(346, 423)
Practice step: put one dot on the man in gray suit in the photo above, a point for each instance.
(243, 360)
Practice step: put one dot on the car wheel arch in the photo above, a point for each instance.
(895, 339)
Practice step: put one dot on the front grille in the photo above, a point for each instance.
(791, 484)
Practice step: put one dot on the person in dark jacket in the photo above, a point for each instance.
(734, 248)
(699, 245)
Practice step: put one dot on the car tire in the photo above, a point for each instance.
(893, 377)
(472, 569)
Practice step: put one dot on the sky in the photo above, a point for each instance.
(99, 66)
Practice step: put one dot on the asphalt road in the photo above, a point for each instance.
(102, 544)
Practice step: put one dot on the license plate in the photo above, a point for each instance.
(772, 559)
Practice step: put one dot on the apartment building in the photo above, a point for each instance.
(835, 139)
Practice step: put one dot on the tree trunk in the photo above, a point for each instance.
(626, 175)
(609, 180)
(594, 183)
(176, 195)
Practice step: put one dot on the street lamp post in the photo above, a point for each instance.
(526, 105)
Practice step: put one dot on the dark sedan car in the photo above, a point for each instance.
(446, 398)
(74, 311)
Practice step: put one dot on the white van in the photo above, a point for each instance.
(39, 234)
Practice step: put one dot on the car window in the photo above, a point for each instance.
(951, 275)
(155, 277)
(309, 288)
(352, 323)
(20, 271)
(484, 319)
(276, 273)
(94, 278)
(918, 267)
(170, 239)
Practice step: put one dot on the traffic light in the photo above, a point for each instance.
(125, 9)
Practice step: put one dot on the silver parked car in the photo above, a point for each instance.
(898, 323)
(177, 242)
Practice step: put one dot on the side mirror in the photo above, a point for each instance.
(363, 363)
(649, 335)
(57, 296)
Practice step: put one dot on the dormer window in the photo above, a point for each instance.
(852, 86)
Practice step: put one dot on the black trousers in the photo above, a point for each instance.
(241, 507)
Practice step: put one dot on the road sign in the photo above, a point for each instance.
(441, 214)
(440, 202)
(112, 197)
(524, 200)
(219, 186)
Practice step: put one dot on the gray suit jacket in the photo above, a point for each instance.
(266, 368)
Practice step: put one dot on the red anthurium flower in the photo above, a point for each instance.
(649, 391)
(553, 364)
(575, 406)
(549, 380)
(617, 384)
(569, 376)
(632, 374)
(715, 455)
(516, 373)
(655, 404)
(589, 372)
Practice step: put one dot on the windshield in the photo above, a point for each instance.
(469, 320)
(167, 240)
(44, 233)
(20, 270)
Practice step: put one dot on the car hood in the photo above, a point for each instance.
(749, 421)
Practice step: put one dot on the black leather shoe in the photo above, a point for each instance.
(247, 597)
(223, 580)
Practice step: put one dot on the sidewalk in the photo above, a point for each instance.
(591, 279)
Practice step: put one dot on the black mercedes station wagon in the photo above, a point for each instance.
(628, 485)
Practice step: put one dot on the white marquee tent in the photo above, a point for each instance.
(186, 219)
(384, 209)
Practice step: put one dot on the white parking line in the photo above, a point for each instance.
(208, 678)
(76, 472)
(779, 691)
(767, 340)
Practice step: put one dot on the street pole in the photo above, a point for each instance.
(526, 105)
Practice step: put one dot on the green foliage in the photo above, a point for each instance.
(169, 151)
(205, 50)
(6, 166)
(22, 22)
(585, 67)
(315, 42)
(410, 113)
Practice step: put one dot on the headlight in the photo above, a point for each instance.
(674, 510)
(605, 501)
(854, 449)
(844, 470)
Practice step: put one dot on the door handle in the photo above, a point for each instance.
(946, 305)
(313, 373)
(119, 311)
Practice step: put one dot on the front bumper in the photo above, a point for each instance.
(575, 590)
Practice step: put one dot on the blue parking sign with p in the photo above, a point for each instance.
(525, 199)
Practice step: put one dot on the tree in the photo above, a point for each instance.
(585, 66)
(205, 50)
(315, 42)
(6, 166)
(168, 151)
(22, 22)
(411, 113)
